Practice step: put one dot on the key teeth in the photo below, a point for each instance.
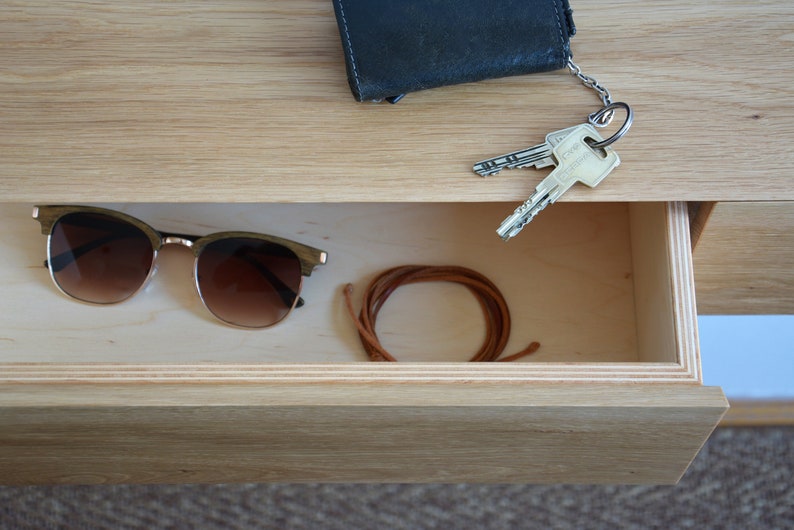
(523, 215)
(508, 230)
(510, 234)
(512, 231)
(485, 171)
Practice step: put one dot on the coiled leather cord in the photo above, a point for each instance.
(494, 307)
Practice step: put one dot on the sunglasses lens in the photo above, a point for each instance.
(98, 258)
(248, 282)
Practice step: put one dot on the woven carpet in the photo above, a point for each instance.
(742, 479)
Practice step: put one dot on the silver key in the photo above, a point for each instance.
(576, 162)
(538, 156)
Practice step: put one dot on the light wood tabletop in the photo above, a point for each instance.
(246, 100)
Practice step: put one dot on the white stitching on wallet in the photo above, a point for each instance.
(350, 47)
(559, 26)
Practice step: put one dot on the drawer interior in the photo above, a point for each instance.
(591, 282)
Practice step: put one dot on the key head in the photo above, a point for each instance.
(578, 162)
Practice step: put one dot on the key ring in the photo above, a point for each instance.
(603, 117)
(597, 117)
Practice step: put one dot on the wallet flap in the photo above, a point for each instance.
(397, 46)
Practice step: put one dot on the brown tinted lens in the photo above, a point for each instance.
(98, 258)
(248, 282)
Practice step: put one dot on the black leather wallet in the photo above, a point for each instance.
(393, 47)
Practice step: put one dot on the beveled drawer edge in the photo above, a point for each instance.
(407, 394)
(699, 214)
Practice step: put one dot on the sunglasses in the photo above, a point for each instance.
(244, 279)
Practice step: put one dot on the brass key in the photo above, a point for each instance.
(575, 161)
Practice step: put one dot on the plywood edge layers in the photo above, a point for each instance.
(352, 372)
(664, 285)
(683, 289)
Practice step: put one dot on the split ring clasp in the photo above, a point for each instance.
(597, 119)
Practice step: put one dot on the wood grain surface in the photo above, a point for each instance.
(353, 433)
(758, 413)
(246, 100)
(744, 261)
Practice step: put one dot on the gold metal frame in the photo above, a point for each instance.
(309, 257)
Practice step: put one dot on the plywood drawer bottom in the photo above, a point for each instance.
(154, 391)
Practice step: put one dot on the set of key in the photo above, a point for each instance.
(574, 159)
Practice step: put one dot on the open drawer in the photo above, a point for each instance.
(154, 390)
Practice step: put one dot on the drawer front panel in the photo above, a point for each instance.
(357, 433)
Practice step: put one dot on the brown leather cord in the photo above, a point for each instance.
(494, 307)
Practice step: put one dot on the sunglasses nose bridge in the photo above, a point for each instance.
(177, 240)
